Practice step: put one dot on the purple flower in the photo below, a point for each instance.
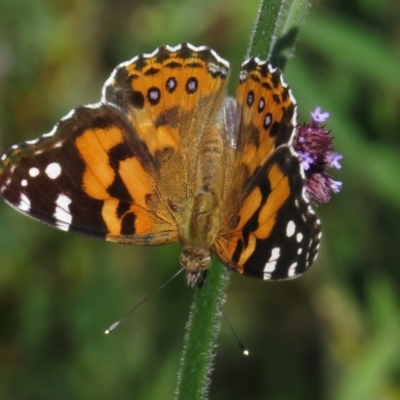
(317, 116)
(314, 145)
(306, 159)
(333, 159)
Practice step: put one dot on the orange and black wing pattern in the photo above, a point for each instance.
(269, 230)
(79, 178)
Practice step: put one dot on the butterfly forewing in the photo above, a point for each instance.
(276, 234)
(75, 179)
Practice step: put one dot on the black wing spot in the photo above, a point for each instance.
(171, 84)
(154, 95)
(128, 224)
(136, 98)
(250, 98)
(261, 105)
(152, 71)
(192, 85)
(267, 120)
(276, 129)
(173, 65)
(276, 98)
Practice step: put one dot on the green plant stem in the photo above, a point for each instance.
(202, 331)
(275, 30)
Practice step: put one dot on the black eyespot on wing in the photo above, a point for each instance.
(154, 96)
(250, 98)
(171, 85)
(192, 85)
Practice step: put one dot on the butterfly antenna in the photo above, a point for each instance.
(115, 324)
(242, 347)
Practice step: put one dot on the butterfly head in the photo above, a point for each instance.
(195, 260)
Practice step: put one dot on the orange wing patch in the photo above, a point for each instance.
(138, 210)
(257, 217)
(93, 145)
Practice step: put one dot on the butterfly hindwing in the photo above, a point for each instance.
(266, 113)
(265, 118)
(172, 98)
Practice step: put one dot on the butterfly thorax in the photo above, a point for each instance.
(201, 216)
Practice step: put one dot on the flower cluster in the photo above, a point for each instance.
(313, 144)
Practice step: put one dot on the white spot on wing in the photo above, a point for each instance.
(290, 228)
(53, 170)
(62, 213)
(24, 182)
(266, 276)
(275, 253)
(171, 84)
(33, 141)
(270, 266)
(24, 203)
(51, 133)
(299, 237)
(58, 144)
(154, 95)
(67, 116)
(34, 172)
(292, 269)
(243, 76)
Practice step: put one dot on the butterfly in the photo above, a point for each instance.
(166, 156)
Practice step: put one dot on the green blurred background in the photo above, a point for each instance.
(332, 334)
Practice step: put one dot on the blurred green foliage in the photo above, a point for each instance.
(332, 334)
